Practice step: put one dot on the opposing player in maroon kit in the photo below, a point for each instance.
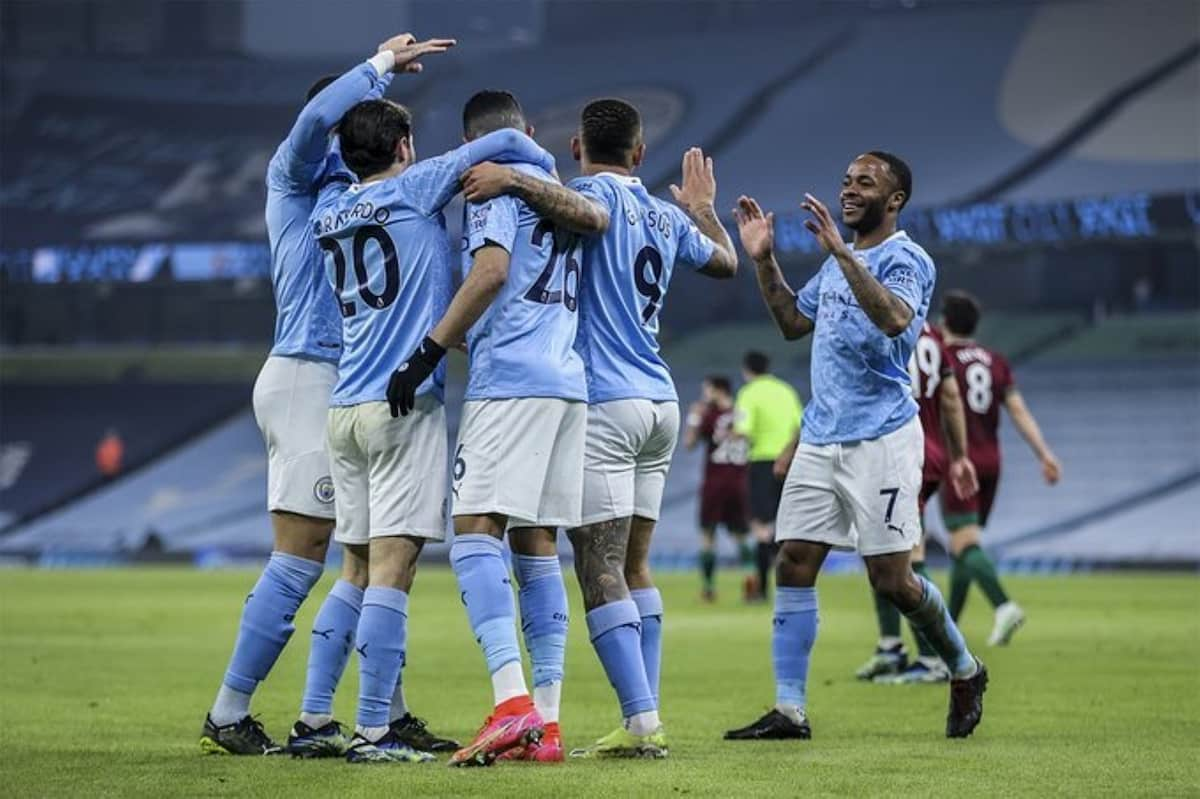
(942, 420)
(986, 383)
(724, 496)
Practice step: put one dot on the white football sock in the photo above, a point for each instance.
(546, 698)
(643, 723)
(889, 641)
(794, 713)
(372, 734)
(231, 706)
(399, 708)
(315, 720)
(508, 681)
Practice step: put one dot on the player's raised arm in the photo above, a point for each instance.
(697, 196)
(757, 232)
(308, 140)
(883, 306)
(566, 208)
(954, 431)
(1025, 423)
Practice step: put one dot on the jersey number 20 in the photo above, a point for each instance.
(391, 268)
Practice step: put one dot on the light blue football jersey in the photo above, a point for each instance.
(389, 260)
(624, 282)
(306, 318)
(523, 345)
(861, 387)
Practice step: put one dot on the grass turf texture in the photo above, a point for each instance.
(107, 675)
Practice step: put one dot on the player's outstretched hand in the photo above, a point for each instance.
(823, 226)
(408, 50)
(963, 478)
(1051, 469)
(755, 229)
(699, 188)
(404, 382)
(484, 181)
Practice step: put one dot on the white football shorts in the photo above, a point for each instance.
(860, 495)
(522, 458)
(629, 447)
(389, 475)
(291, 405)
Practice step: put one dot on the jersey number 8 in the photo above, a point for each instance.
(391, 268)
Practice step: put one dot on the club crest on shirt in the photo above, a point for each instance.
(323, 490)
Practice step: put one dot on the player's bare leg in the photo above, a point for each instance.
(919, 599)
(927, 667)
(972, 564)
(794, 630)
(614, 626)
(296, 564)
(477, 556)
(543, 605)
(316, 734)
(708, 563)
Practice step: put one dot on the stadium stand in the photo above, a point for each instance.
(50, 432)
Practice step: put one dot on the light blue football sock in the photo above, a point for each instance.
(333, 635)
(486, 590)
(543, 600)
(650, 608)
(793, 633)
(265, 628)
(932, 620)
(614, 630)
(382, 639)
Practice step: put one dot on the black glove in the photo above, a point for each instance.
(403, 384)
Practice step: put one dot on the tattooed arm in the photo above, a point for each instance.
(757, 232)
(565, 208)
(886, 311)
(697, 195)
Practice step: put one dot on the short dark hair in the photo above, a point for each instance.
(720, 383)
(756, 363)
(610, 130)
(901, 174)
(319, 86)
(370, 132)
(491, 110)
(961, 312)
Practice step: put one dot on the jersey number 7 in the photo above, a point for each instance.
(391, 268)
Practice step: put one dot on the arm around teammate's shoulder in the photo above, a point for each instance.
(565, 207)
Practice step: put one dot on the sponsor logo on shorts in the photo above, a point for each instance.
(323, 490)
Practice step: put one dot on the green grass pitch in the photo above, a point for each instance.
(105, 677)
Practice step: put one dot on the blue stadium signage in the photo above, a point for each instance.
(1126, 216)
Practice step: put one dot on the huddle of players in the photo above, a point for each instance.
(570, 417)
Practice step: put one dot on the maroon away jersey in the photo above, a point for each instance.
(727, 454)
(984, 379)
(930, 365)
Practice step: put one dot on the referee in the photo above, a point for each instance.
(767, 414)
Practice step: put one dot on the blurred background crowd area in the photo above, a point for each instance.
(1055, 148)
